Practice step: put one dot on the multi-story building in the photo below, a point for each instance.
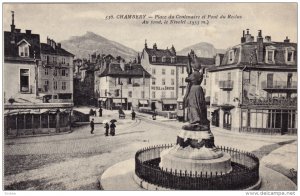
(55, 75)
(123, 85)
(168, 73)
(24, 111)
(254, 86)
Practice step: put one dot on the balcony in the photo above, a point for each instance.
(279, 86)
(226, 85)
(277, 102)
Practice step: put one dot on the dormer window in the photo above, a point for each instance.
(289, 55)
(231, 56)
(270, 54)
(164, 59)
(173, 60)
(154, 59)
(23, 48)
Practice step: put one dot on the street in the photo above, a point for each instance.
(75, 161)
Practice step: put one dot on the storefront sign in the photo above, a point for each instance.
(162, 88)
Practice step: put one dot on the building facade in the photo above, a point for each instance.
(254, 86)
(168, 73)
(123, 85)
(55, 75)
(24, 111)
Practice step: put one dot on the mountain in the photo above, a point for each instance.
(202, 49)
(83, 46)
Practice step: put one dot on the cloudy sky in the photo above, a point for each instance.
(61, 21)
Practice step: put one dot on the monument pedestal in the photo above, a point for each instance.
(195, 152)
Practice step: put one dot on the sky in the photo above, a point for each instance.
(61, 21)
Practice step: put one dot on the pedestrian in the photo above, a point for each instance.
(100, 111)
(132, 115)
(95, 113)
(92, 126)
(112, 128)
(106, 126)
(91, 112)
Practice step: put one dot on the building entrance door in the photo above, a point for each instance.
(215, 118)
(227, 120)
(284, 125)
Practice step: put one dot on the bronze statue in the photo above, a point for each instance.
(194, 99)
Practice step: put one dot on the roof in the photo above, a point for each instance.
(246, 54)
(11, 50)
(47, 49)
(133, 70)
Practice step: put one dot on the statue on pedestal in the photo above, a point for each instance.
(194, 99)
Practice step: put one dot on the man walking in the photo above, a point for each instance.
(92, 126)
(100, 111)
(132, 115)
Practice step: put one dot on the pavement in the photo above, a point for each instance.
(75, 161)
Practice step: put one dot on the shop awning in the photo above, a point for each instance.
(143, 102)
(169, 101)
(118, 101)
(102, 99)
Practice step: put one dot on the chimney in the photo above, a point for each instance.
(248, 37)
(18, 30)
(28, 32)
(260, 48)
(154, 46)
(268, 38)
(287, 40)
(243, 39)
(48, 41)
(53, 44)
(139, 59)
(146, 43)
(12, 26)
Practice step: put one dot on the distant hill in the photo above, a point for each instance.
(82, 46)
(202, 49)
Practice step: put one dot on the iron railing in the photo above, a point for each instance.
(279, 85)
(226, 84)
(271, 101)
(245, 172)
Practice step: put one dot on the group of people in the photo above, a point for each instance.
(94, 113)
(109, 129)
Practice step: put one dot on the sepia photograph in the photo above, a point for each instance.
(156, 96)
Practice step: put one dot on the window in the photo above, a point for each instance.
(270, 55)
(46, 71)
(231, 56)
(55, 72)
(182, 70)
(24, 49)
(54, 59)
(143, 94)
(172, 81)
(154, 59)
(55, 85)
(163, 81)
(47, 82)
(153, 71)
(153, 81)
(164, 59)
(163, 94)
(63, 72)
(163, 71)
(153, 94)
(173, 60)
(289, 55)
(63, 85)
(24, 80)
(172, 71)
(46, 85)
(63, 60)
(129, 93)
(129, 81)
(119, 81)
